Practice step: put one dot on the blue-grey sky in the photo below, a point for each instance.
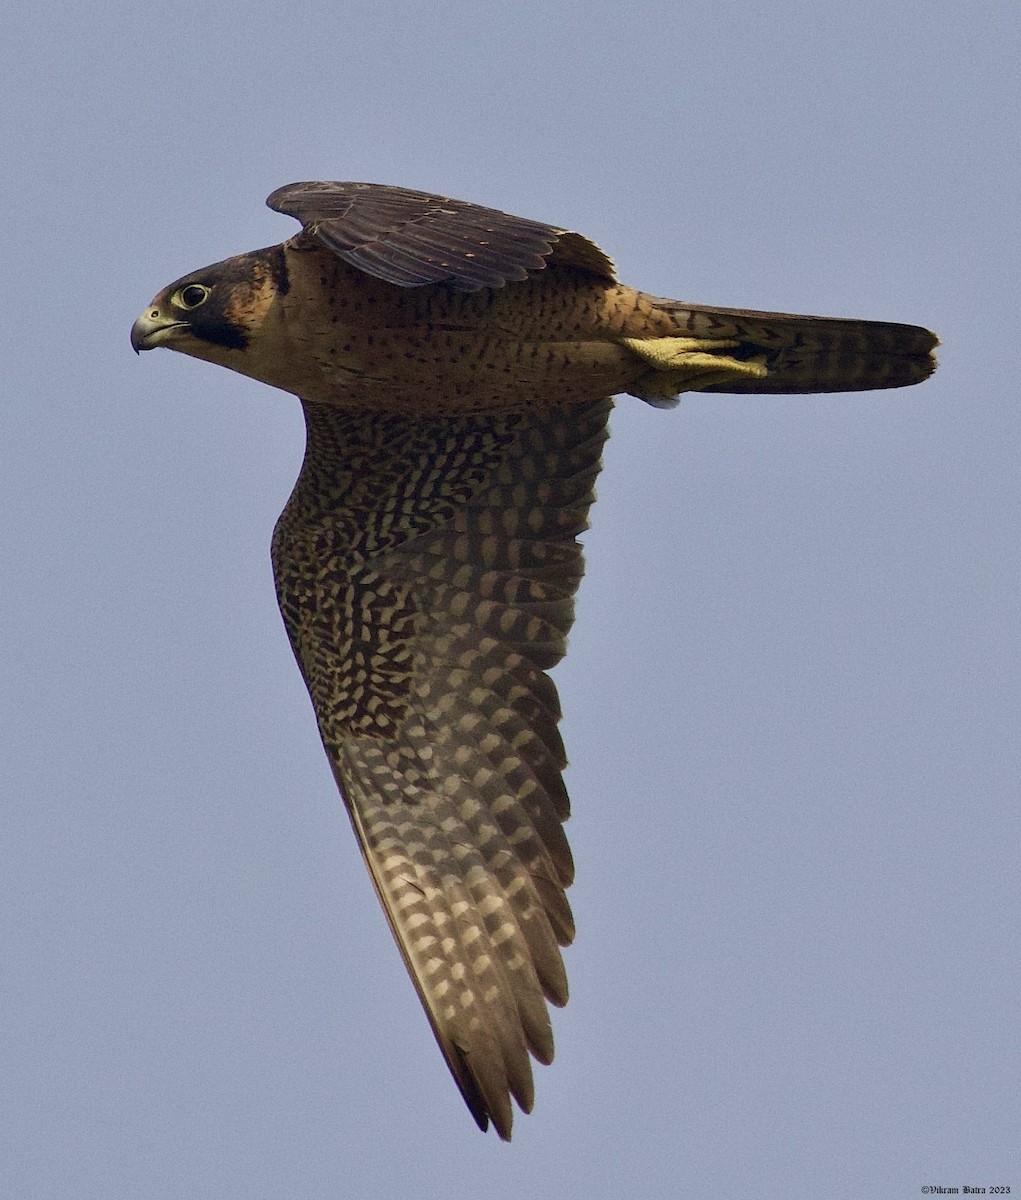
(792, 691)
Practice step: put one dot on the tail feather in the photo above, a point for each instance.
(810, 354)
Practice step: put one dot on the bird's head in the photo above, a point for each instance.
(214, 313)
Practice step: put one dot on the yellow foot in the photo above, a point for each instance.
(686, 364)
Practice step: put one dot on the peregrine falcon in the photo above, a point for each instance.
(455, 365)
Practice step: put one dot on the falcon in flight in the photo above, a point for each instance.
(455, 366)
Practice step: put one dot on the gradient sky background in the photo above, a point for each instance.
(792, 693)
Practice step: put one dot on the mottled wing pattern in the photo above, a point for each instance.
(413, 238)
(426, 569)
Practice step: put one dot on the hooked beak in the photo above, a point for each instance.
(152, 329)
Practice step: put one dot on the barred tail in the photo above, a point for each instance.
(769, 353)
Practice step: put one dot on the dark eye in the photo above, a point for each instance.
(192, 295)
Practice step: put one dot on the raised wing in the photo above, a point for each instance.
(413, 238)
(426, 570)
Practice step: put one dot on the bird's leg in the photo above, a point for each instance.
(689, 364)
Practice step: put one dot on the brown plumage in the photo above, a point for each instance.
(454, 365)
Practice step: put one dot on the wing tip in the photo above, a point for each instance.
(495, 1109)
